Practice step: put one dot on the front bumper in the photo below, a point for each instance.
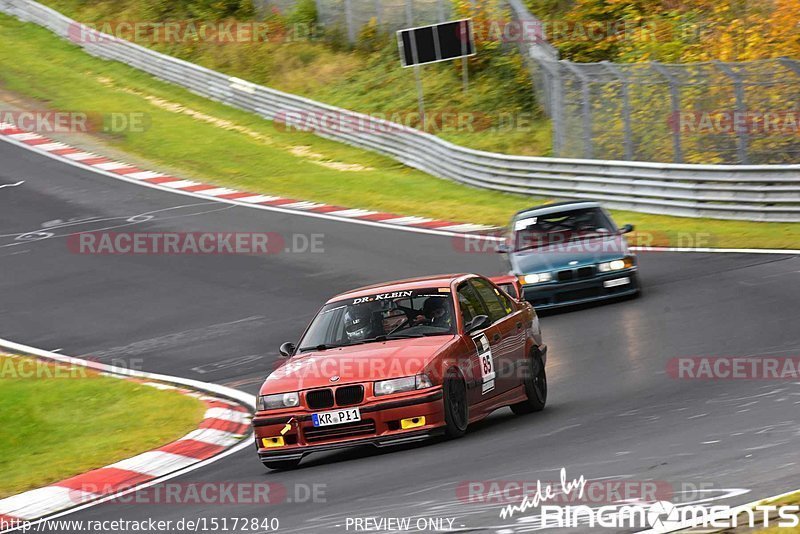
(379, 426)
(558, 294)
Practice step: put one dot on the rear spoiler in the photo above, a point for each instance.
(510, 284)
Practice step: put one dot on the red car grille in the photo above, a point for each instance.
(319, 398)
(349, 395)
(345, 396)
(347, 430)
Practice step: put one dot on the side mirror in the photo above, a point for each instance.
(502, 248)
(479, 322)
(287, 349)
(628, 228)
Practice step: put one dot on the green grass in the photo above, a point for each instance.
(252, 154)
(62, 421)
(793, 499)
(367, 78)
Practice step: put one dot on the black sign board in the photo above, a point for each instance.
(438, 42)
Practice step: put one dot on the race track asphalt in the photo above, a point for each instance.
(613, 410)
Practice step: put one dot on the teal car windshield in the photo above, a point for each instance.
(562, 227)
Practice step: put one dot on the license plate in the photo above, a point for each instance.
(617, 282)
(336, 417)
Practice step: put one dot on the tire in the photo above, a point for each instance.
(456, 408)
(535, 388)
(281, 465)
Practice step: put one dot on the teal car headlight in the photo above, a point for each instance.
(281, 400)
(535, 278)
(615, 265)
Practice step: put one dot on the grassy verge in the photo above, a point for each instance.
(61, 421)
(793, 499)
(367, 77)
(194, 137)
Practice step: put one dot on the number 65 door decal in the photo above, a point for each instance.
(485, 362)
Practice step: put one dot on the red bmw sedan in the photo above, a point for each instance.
(400, 362)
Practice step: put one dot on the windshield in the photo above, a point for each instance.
(382, 316)
(561, 227)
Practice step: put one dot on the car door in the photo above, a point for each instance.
(481, 382)
(508, 338)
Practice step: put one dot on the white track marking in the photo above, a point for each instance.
(154, 463)
(258, 198)
(467, 227)
(113, 166)
(228, 415)
(13, 185)
(179, 184)
(219, 191)
(144, 175)
(303, 205)
(80, 156)
(26, 136)
(42, 501)
(51, 146)
(352, 213)
(213, 437)
(402, 221)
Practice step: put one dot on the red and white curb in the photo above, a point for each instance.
(100, 163)
(224, 429)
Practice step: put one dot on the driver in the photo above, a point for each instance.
(358, 323)
(436, 312)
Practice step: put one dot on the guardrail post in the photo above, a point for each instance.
(626, 108)
(554, 101)
(348, 17)
(675, 99)
(586, 109)
(742, 137)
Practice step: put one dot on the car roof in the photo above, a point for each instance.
(422, 282)
(547, 209)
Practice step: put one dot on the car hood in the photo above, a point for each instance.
(358, 363)
(568, 255)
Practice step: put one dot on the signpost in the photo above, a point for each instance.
(433, 44)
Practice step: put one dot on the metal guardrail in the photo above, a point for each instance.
(750, 192)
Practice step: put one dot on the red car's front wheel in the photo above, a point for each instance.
(456, 409)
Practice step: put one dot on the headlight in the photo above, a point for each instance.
(399, 385)
(536, 278)
(281, 400)
(615, 265)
